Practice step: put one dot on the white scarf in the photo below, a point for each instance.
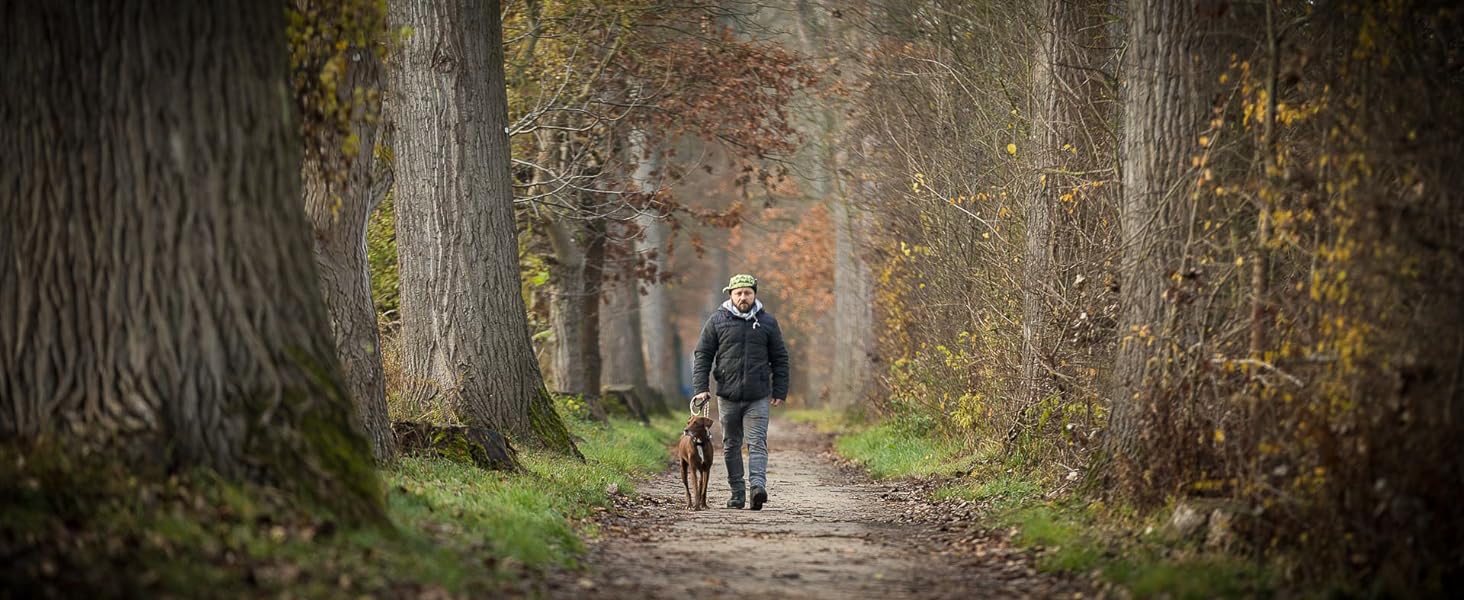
(750, 315)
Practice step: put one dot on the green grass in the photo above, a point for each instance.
(824, 420)
(1001, 492)
(453, 528)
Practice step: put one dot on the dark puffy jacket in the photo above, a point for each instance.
(748, 358)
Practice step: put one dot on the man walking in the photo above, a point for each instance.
(742, 346)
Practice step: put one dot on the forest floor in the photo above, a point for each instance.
(827, 531)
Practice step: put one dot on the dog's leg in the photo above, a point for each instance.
(684, 467)
(706, 476)
(696, 486)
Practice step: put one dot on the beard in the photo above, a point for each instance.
(743, 305)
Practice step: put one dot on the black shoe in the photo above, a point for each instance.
(735, 501)
(759, 496)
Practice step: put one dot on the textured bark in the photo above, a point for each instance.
(338, 207)
(1066, 118)
(159, 297)
(465, 333)
(656, 332)
(1163, 109)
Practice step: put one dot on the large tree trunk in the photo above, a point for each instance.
(158, 295)
(465, 333)
(1163, 110)
(655, 313)
(340, 192)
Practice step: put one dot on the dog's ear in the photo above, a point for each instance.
(691, 420)
(707, 421)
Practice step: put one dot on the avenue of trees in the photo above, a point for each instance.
(1158, 250)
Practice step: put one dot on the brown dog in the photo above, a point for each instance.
(695, 453)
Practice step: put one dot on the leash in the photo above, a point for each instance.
(701, 408)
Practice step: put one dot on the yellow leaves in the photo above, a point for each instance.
(1219, 436)
(1011, 149)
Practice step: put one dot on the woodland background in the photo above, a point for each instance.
(1197, 257)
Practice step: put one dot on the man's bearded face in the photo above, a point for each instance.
(743, 298)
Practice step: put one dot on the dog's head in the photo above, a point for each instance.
(699, 427)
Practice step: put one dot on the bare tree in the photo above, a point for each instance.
(464, 328)
(161, 302)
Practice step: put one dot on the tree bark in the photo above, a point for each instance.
(465, 332)
(854, 371)
(153, 242)
(579, 249)
(853, 312)
(340, 191)
(655, 313)
(620, 341)
(1163, 110)
(1067, 125)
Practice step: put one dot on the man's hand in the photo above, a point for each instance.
(777, 401)
(702, 397)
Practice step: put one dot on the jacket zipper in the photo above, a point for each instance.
(742, 393)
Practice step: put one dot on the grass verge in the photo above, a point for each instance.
(455, 529)
(1070, 535)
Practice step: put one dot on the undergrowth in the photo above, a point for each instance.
(71, 528)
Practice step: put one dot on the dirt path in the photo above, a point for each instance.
(824, 533)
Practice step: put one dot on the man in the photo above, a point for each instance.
(742, 346)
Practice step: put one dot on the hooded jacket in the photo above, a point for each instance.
(744, 352)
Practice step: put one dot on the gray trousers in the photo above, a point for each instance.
(749, 421)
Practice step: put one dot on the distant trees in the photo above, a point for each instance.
(600, 95)
(159, 308)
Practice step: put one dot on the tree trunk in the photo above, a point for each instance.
(465, 332)
(853, 312)
(160, 302)
(620, 328)
(574, 310)
(1163, 111)
(340, 191)
(854, 334)
(655, 313)
(1065, 129)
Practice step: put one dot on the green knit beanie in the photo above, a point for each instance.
(741, 280)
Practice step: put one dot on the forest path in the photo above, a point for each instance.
(826, 532)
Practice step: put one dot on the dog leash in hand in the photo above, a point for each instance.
(701, 407)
